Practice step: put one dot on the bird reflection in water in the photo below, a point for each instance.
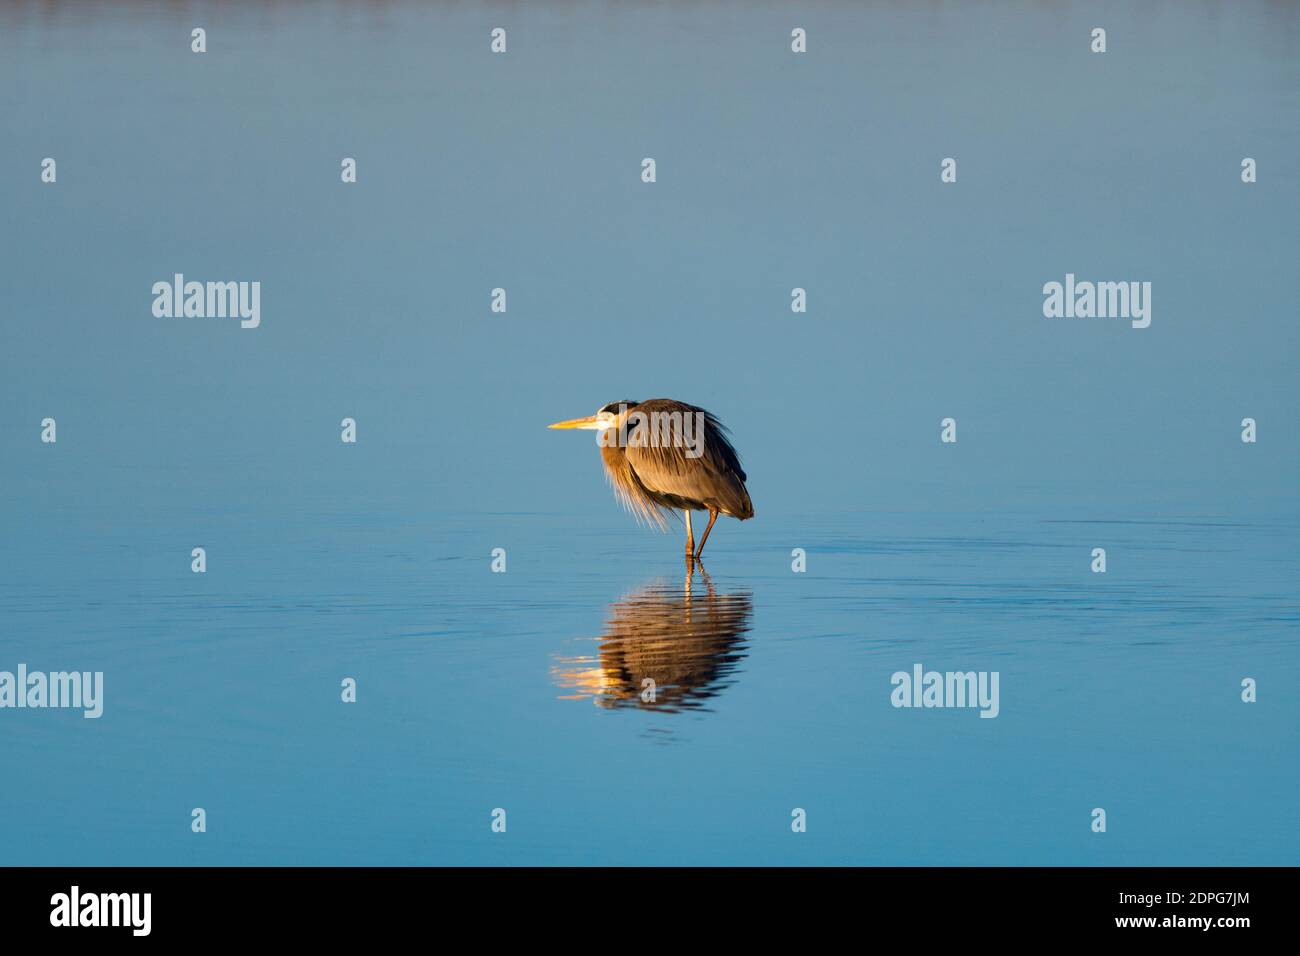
(688, 640)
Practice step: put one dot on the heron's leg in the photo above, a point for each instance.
(690, 535)
(713, 516)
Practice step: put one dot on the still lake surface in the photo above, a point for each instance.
(519, 690)
(479, 690)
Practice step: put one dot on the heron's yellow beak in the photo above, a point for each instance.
(589, 422)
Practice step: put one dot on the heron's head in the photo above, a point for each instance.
(610, 416)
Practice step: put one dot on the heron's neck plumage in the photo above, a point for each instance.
(628, 487)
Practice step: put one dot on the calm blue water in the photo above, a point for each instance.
(479, 690)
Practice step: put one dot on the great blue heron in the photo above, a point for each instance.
(663, 455)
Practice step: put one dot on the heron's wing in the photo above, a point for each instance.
(683, 451)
